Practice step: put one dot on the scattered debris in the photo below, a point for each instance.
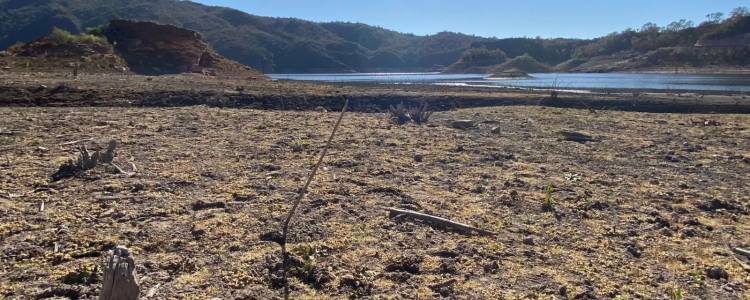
(572, 177)
(462, 124)
(87, 161)
(705, 123)
(202, 205)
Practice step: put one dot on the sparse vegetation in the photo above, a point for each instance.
(420, 114)
(676, 294)
(60, 37)
(400, 114)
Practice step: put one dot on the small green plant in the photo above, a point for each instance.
(309, 263)
(698, 276)
(298, 146)
(549, 201)
(618, 297)
(676, 294)
(59, 37)
(96, 31)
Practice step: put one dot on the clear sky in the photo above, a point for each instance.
(498, 18)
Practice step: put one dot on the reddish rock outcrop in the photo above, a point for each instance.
(155, 49)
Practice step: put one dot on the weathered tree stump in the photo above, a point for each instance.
(120, 281)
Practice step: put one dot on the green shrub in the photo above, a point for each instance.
(59, 36)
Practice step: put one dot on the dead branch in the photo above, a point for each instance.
(301, 195)
(438, 221)
(741, 251)
(76, 142)
(121, 171)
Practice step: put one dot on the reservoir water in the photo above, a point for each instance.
(686, 82)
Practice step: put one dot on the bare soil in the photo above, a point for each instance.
(647, 210)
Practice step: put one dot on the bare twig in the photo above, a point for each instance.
(299, 198)
(442, 222)
(76, 142)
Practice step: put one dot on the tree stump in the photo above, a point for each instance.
(120, 282)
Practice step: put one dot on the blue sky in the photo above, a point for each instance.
(499, 18)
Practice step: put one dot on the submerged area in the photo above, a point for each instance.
(687, 82)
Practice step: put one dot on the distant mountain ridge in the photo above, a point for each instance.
(286, 45)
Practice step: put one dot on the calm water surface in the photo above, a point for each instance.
(735, 83)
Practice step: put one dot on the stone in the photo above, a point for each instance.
(462, 124)
(717, 273)
(577, 137)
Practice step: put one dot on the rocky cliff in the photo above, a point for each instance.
(155, 49)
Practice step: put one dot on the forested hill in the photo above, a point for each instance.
(268, 44)
(291, 45)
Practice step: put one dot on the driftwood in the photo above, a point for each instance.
(120, 282)
(438, 221)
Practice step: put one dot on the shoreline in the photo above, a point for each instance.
(58, 90)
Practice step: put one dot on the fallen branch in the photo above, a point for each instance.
(300, 196)
(121, 171)
(75, 142)
(742, 252)
(438, 221)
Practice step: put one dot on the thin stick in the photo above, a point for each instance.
(438, 221)
(742, 251)
(76, 142)
(301, 195)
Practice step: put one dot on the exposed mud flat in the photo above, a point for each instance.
(59, 89)
(646, 209)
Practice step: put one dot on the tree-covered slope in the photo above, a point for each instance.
(268, 44)
(292, 45)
